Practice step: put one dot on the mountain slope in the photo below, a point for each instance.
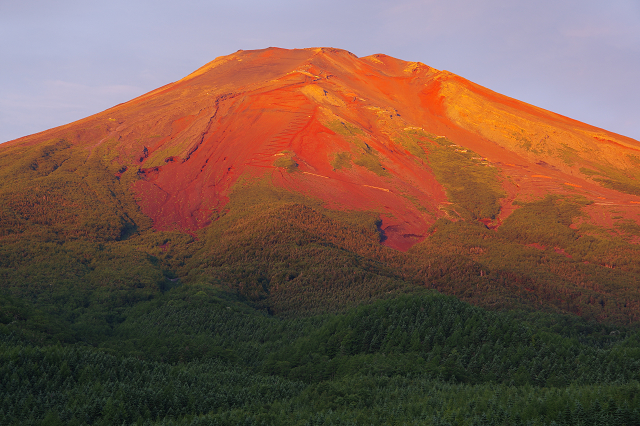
(358, 133)
(276, 229)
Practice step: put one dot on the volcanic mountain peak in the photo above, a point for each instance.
(397, 138)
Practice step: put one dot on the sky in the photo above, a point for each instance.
(62, 61)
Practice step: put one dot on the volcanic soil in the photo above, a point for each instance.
(339, 128)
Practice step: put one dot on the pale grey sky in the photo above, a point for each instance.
(65, 60)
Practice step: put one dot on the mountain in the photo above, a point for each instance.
(356, 133)
(305, 236)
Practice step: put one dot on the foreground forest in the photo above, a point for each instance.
(284, 312)
(198, 356)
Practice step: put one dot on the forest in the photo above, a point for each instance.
(284, 312)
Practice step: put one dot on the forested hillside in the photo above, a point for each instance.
(195, 356)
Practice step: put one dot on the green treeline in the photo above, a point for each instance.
(449, 339)
(422, 359)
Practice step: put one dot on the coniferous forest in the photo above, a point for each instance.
(284, 312)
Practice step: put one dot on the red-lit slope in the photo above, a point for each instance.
(331, 125)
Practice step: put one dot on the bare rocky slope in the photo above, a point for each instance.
(357, 133)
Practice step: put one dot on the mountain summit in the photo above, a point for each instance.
(378, 134)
